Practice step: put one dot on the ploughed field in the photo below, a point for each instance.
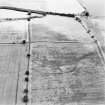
(63, 71)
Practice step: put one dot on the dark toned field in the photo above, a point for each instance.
(12, 63)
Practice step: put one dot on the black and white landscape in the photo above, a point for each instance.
(65, 64)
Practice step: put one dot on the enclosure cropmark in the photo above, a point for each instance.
(40, 14)
(57, 64)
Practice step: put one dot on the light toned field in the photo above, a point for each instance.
(62, 73)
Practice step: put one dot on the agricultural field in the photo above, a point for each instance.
(64, 71)
(13, 64)
(12, 67)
